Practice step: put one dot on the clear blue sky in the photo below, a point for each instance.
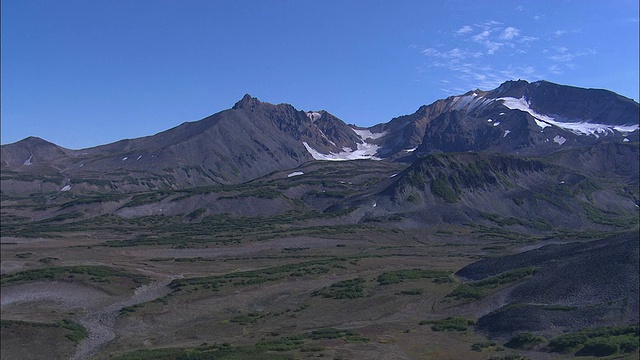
(81, 73)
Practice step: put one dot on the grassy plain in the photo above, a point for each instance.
(286, 292)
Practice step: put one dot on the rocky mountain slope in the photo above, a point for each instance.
(528, 155)
(254, 138)
(573, 287)
(514, 209)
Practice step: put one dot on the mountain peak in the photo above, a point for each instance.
(246, 102)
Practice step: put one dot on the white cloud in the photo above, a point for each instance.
(482, 36)
(562, 57)
(430, 52)
(509, 33)
(484, 55)
(527, 39)
(555, 69)
(464, 30)
(492, 47)
(456, 53)
(492, 23)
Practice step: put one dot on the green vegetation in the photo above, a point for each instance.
(195, 214)
(479, 346)
(251, 278)
(602, 341)
(223, 352)
(349, 336)
(398, 276)
(609, 217)
(264, 349)
(525, 341)
(250, 318)
(412, 292)
(449, 324)
(500, 233)
(262, 192)
(509, 357)
(11, 175)
(481, 288)
(537, 224)
(94, 273)
(77, 331)
(347, 289)
(93, 199)
(442, 188)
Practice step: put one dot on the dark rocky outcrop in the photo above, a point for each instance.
(576, 285)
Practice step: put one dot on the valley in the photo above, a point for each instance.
(243, 236)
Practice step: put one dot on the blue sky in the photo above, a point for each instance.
(82, 73)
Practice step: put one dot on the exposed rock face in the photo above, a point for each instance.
(248, 141)
(254, 138)
(576, 285)
(517, 117)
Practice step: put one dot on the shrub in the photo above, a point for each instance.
(482, 345)
(347, 289)
(449, 324)
(524, 341)
(598, 347)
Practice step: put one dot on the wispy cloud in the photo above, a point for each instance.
(464, 30)
(555, 69)
(483, 55)
(509, 33)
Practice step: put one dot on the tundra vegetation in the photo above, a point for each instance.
(302, 281)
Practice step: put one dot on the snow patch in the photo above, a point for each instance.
(501, 114)
(374, 204)
(367, 134)
(313, 116)
(364, 151)
(542, 124)
(66, 188)
(625, 140)
(496, 123)
(625, 128)
(579, 128)
(139, 157)
(411, 150)
(394, 175)
(124, 158)
(489, 120)
(295, 173)
(28, 161)
(559, 140)
(506, 132)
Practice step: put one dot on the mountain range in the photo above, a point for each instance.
(254, 138)
(526, 150)
(529, 193)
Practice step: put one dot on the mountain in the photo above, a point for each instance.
(517, 117)
(514, 209)
(248, 141)
(572, 287)
(254, 138)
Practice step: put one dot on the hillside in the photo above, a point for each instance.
(490, 220)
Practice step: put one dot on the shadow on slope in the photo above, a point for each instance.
(577, 285)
